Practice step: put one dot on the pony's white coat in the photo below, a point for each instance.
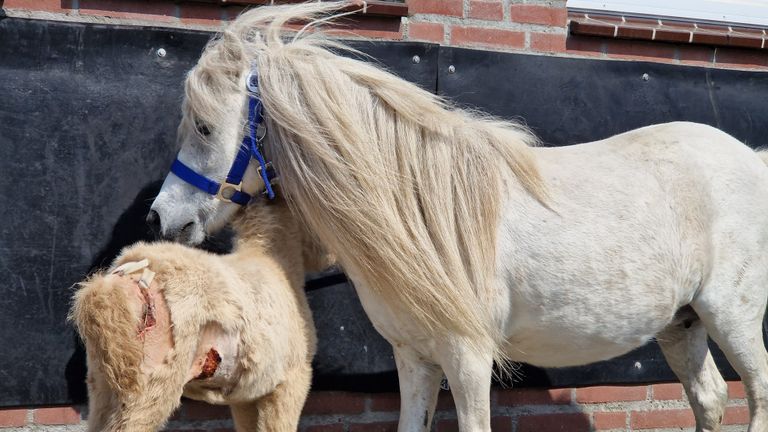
(597, 248)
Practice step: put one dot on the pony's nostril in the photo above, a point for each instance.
(153, 221)
(186, 227)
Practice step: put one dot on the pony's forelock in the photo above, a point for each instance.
(405, 189)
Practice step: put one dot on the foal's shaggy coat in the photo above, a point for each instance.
(233, 329)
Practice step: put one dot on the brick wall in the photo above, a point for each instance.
(531, 26)
(659, 407)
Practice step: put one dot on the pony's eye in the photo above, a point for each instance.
(202, 129)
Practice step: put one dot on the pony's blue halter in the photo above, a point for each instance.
(231, 189)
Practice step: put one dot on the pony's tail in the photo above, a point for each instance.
(102, 316)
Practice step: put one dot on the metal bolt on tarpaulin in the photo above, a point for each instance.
(638, 365)
(451, 69)
(646, 77)
(416, 59)
(161, 52)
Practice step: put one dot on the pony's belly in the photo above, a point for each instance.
(563, 348)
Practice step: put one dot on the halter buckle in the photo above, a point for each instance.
(227, 191)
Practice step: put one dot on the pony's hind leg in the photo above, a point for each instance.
(734, 319)
(419, 386)
(684, 345)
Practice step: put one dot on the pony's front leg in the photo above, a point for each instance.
(469, 375)
(419, 386)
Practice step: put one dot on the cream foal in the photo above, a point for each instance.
(168, 320)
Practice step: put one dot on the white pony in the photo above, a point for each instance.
(468, 245)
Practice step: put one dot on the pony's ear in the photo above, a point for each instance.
(232, 56)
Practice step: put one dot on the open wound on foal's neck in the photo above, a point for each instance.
(129, 269)
(152, 313)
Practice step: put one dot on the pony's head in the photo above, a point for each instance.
(215, 120)
(405, 189)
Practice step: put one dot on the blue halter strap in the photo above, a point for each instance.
(230, 190)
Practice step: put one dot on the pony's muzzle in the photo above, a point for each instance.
(181, 233)
(153, 222)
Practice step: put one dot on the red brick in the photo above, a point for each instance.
(634, 32)
(200, 13)
(736, 415)
(585, 46)
(570, 422)
(438, 7)
(432, 32)
(611, 394)
(487, 37)
(374, 427)
(232, 11)
(385, 402)
(40, 5)
(710, 38)
(593, 28)
(641, 22)
(486, 10)
(13, 417)
(333, 427)
(736, 390)
(548, 42)
(679, 418)
(741, 58)
(534, 14)
(445, 401)
(57, 416)
(696, 54)
(514, 397)
(334, 403)
(672, 391)
(194, 410)
(610, 420)
(497, 424)
(130, 9)
(744, 40)
(368, 26)
(501, 423)
(653, 51)
(447, 426)
(672, 35)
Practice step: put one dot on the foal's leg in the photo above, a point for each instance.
(469, 374)
(419, 386)
(278, 411)
(102, 401)
(734, 318)
(685, 347)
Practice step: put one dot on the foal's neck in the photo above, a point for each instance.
(269, 231)
(266, 227)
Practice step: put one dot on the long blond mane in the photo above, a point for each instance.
(405, 189)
